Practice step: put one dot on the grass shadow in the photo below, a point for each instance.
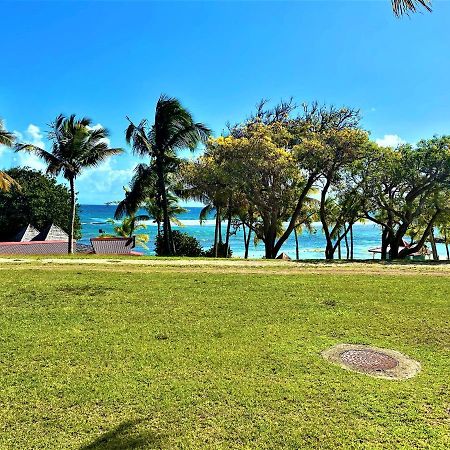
(125, 437)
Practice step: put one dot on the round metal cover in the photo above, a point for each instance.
(368, 360)
(373, 361)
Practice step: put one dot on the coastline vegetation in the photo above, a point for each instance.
(268, 177)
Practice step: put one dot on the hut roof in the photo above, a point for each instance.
(52, 233)
(284, 256)
(26, 234)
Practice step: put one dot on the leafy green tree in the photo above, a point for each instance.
(311, 132)
(40, 201)
(269, 163)
(173, 129)
(75, 146)
(340, 149)
(262, 167)
(404, 185)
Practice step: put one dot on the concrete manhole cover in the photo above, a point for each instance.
(377, 362)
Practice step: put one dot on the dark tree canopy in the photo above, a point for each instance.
(40, 201)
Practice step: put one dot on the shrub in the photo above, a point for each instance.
(185, 245)
(221, 251)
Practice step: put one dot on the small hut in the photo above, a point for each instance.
(284, 257)
(52, 233)
(26, 234)
(30, 241)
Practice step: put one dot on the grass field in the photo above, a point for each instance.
(123, 357)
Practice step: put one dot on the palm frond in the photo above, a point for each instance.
(138, 137)
(97, 154)
(6, 182)
(6, 138)
(402, 7)
(189, 136)
(141, 188)
(205, 212)
(54, 164)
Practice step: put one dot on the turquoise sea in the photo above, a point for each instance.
(366, 235)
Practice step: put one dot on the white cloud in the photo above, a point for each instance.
(390, 140)
(105, 181)
(34, 136)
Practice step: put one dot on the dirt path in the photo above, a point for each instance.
(234, 266)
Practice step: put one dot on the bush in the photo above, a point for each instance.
(221, 251)
(185, 245)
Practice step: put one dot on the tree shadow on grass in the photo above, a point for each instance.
(125, 437)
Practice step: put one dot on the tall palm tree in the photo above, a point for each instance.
(75, 146)
(173, 129)
(6, 139)
(401, 7)
(141, 194)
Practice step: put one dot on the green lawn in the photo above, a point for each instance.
(124, 358)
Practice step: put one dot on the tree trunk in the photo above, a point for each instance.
(269, 243)
(351, 241)
(339, 245)
(216, 232)
(309, 183)
(329, 250)
(220, 229)
(245, 241)
(72, 214)
(433, 245)
(446, 244)
(247, 245)
(394, 247)
(227, 237)
(418, 246)
(384, 243)
(297, 254)
(168, 239)
(346, 245)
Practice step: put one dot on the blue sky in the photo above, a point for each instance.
(106, 60)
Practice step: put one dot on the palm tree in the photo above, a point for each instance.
(141, 194)
(173, 129)
(7, 139)
(156, 213)
(75, 146)
(128, 227)
(401, 7)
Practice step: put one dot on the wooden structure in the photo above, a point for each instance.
(114, 246)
